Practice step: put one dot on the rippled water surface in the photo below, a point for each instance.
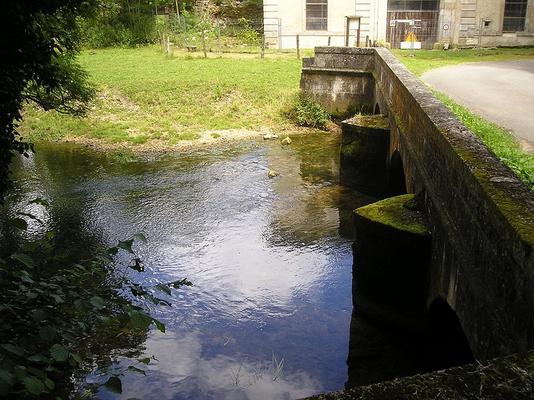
(269, 260)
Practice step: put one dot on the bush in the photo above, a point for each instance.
(304, 111)
(243, 32)
(129, 30)
(56, 312)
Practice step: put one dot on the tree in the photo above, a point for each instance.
(251, 10)
(37, 63)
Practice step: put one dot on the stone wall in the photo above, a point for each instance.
(481, 215)
(340, 79)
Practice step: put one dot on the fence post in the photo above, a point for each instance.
(358, 33)
(298, 46)
(219, 37)
(204, 43)
(168, 46)
(347, 31)
(263, 46)
(329, 40)
(279, 34)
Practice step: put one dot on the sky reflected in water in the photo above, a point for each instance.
(271, 272)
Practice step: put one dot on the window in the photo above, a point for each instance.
(316, 15)
(413, 5)
(515, 12)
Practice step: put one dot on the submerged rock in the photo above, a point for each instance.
(270, 136)
(286, 141)
(272, 173)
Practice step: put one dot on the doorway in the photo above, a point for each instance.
(412, 21)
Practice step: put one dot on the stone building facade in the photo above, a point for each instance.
(455, 22)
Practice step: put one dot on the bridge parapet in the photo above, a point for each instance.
(481, 216)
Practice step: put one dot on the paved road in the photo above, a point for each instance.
(501, 92)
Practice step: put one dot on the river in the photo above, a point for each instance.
(270, 259)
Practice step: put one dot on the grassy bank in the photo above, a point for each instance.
(146, 96)
(421, 61)
(498, 139)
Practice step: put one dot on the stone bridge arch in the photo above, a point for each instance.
(478, 216)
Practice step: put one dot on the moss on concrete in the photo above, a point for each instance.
(512, 207)
(377, 121)
(352, 149)
(393, 213)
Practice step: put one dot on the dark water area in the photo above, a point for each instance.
(268, 316)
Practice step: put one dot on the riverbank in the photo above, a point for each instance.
(148, 100)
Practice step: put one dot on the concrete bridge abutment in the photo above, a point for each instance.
(480, 216)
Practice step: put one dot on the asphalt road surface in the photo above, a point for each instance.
(501, 92)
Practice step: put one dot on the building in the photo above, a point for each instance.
(398, 22)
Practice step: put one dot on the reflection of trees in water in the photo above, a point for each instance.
(56, 176)
(379, 352)
(311, 204)
(308, 217)
(319, 157)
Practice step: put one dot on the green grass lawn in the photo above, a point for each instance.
(421, 61)
(498, 139)
(145, 95)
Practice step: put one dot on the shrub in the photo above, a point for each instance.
(124, 30)
(305, 111)
(55, 311)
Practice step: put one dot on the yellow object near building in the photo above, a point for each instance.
(411, 38)
(410, 42)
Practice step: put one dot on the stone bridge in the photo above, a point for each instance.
(472, 243)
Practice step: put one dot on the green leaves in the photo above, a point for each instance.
(180, 283)
(164, 288)
(18, 223)
(59, 352)
(140, 237)
(24, 259)
(16, 350)
(55, 310)
(159, 325)
(135, 369)
(126, 245)
(47, 333)
(33, 385)
(98, 303)
(40, 201)
(141, 320)
(114, 385)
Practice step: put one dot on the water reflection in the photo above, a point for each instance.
(184, 371)
(271, 272)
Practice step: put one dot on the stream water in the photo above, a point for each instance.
(270, 259)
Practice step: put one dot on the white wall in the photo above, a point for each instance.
(285, 19)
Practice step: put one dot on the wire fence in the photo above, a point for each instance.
(213, 35)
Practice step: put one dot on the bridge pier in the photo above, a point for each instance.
(392, 254)
(480, 215)
(364, 150)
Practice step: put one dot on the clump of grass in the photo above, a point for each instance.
(305, 111)
(500, 141)
(122, 156)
